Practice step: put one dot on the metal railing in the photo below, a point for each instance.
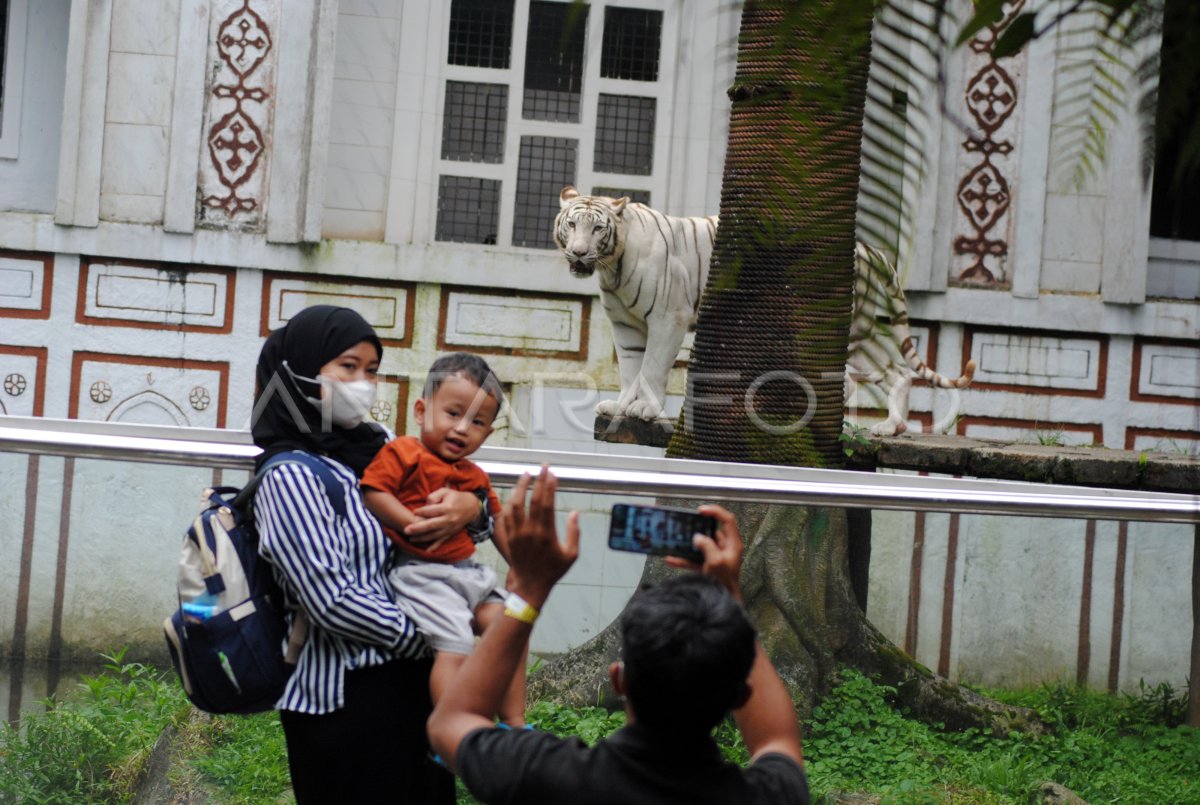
(637, 476)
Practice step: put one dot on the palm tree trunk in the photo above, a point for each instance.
(765, 382)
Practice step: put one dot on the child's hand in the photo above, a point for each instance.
(446, 512)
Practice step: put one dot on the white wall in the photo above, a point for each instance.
(1061, 349)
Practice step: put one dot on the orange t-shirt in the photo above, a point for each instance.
(408, 470)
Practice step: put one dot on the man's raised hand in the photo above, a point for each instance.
(722, 553)
(537, 558)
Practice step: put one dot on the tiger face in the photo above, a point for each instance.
(587, 229)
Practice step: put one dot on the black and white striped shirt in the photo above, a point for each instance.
(334, 568)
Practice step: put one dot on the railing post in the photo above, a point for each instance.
(1193, 713)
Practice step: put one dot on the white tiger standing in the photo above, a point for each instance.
(652, 269)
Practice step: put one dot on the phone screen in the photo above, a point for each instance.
(658, 530)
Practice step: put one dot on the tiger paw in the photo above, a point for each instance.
(642, 409)
(608, 408)
(888, 428)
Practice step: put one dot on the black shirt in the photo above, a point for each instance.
(633, 766)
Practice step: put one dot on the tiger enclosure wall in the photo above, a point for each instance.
(193, 172)
(1082, 318)
(188, 174)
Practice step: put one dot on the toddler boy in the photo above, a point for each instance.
(437, 584)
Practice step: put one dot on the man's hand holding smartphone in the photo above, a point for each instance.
(706, 540)
(658, 530)
(722, 552)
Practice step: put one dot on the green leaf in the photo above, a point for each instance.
(987, 12)
(1018, 32)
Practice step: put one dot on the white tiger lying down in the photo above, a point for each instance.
(652, 269)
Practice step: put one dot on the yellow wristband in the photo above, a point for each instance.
(518, 608)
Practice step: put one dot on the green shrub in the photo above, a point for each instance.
(93, 746)
(1130, 748)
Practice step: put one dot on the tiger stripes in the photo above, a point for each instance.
(652, 269)
(881, 347)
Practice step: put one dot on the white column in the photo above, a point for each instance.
(303, 96)
(185, 146)
(417, 88)
(1033, 170)
(84, 99)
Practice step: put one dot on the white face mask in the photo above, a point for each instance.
(344, 404)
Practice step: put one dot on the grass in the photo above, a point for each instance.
(1128, 748)
(93, 747)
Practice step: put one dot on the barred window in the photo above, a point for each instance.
(474, 120)
(624, 135)
(632, 39)
(468, 209)
(640, 196)
(554, 61)
(546, 165)
(481, 33)
(518, 81)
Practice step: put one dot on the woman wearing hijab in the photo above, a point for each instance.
(354, 710)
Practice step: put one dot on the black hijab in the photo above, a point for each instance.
(283, 419)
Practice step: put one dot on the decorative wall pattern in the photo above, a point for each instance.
(391, 403)
(25, 282)
(155, 295)
(387, 306)
(514, 324)
(1183, 442)
(1166, 371)
(23, 370)
(983, 194)
(238, 118)
(1038, 363)
(1031, 431)
(149, 391)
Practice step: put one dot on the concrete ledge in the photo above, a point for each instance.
(975, 458)
(623, 430)
(1016, 461)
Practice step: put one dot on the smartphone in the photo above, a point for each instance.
(658, 530)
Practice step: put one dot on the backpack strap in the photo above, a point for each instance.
(333, 487)
(337, 498)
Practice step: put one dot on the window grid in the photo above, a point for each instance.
(545, 166)
(468, 209)
(639, 196)
(632, 39)
(554, 61)
(474, 121)
(481, 33)
(624, 135)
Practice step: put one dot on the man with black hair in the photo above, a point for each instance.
(689, 655)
